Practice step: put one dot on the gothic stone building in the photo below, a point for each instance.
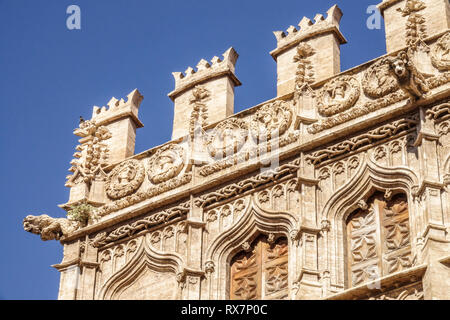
(337, 188)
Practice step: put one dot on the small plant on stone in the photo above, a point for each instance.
(80, 213)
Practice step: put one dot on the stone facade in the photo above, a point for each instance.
(338, 188)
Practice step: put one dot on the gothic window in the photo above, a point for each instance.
(378, 239)
(261, 272)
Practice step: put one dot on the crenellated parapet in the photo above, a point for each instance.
(205, 95)
(205, 71)
(118, 109)
(308, 29)
(120, 117)
(322, 36)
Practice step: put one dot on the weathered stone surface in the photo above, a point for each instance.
(338, 188)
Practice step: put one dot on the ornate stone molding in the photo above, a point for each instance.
(305, 70)
(358, 142)
(143, 195)
(338, 95)
(166, 163)
(153, 220)
(356, 112)
(125, 179)
(145, 259)
(415, 84)
(199, 114)
(415, 24)
(248, 184)
(439, 112)
(92, 153)
(245, 156)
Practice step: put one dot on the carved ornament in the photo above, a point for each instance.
(125, 179)
(166, 164)
(338, 95)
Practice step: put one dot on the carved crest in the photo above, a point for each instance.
(338, 95)
(166, 164)
(305, 71)
(271, 120)
(199, 115)
(440, 54)
(378, 80)
(125, 179)
(227, 138)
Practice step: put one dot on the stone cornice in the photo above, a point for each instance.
(394, 280)
(427, 184)
(67, 264)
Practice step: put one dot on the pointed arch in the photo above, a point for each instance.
(254, 222)
(145, 259)
(371, 177)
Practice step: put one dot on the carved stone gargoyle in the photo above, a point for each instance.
(50, 228)
(409, 78)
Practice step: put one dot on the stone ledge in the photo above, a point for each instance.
(395, 281)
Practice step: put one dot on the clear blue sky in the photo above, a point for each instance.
(51, 75)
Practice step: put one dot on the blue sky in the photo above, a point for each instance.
(52, 75)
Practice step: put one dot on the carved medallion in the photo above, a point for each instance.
(166, 164)
(415, 24)
(338, 95)
(227, 138)
(440, 54)
(125, 179)
(379, 81)
(270, 121)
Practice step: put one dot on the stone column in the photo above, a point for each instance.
(434, 234)
(309, 285)
(89, 266)
(193, 271)
(70, 280)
